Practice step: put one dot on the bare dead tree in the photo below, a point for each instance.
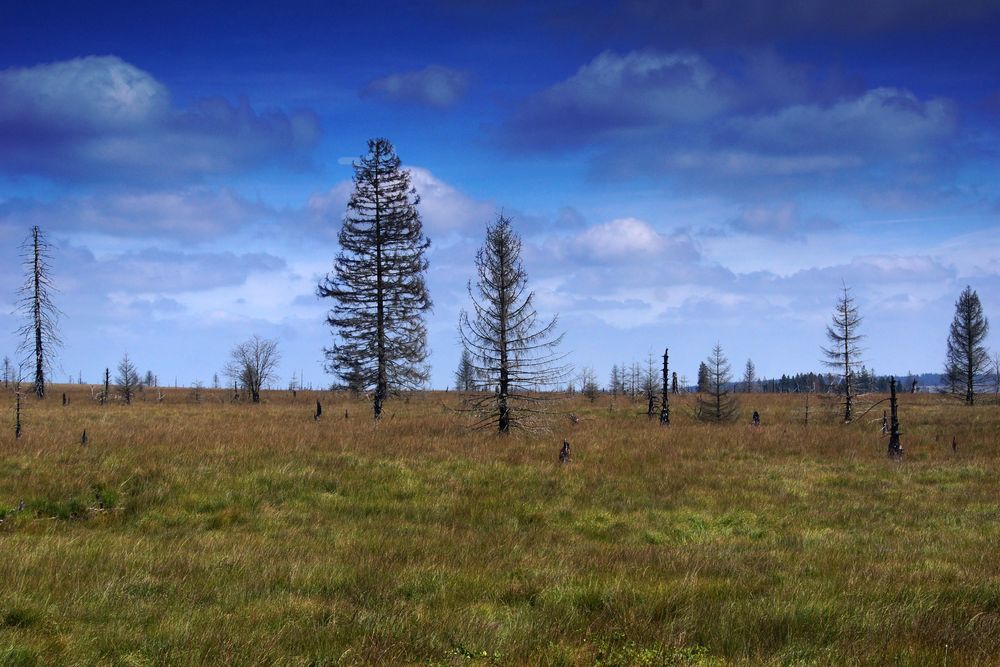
(378, 283)
(844, 353)
(717, 404)
(665, 395)
(996, 375)
(749, 376)
(510, 348)
(16, 382)
(39, 333)
(253, 364)
(127, 379)
(649, 386)
(465, 376)
(895, 446)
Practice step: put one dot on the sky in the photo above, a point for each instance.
(682, 174)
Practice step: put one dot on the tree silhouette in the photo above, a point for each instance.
(39, 333)
(968, 362)
(844, 353)
(749, 376)
(465, 376)
(703, 381)
(253, 364)
(717, 404)
(377, 282)
(127, 379)
(511, 350)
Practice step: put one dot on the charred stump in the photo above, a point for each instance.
(895, 446)
(665, 398)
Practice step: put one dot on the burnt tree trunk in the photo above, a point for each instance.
(895, 447)
(665, 401)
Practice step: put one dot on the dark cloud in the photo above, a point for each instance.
(729, 22)
(619, 95)
(615, 93)
(101, 118)
(433, 86)
(761, 123)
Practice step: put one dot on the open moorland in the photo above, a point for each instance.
(187, 532)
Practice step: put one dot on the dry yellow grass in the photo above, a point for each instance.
(191, 533)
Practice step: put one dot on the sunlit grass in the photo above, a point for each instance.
(211, 532)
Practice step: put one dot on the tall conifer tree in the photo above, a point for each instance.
(844, 353)
(511, 349)
(378, 281)
(968, 361)
(39, 334)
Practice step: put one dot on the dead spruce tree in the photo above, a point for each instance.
(844, 353)
(749, 376)
(39, 333)
(127, 379)
(465, 376)
(254, 364)
(968, 361)
(649, 386)
(716, 404)
(511, 350)
(665, 395)
(377, 283)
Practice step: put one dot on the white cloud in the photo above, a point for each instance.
(433, 86)
(100, 118)
(621, 239)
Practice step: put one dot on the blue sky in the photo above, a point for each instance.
(682, 173)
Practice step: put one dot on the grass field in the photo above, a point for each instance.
(190, 533)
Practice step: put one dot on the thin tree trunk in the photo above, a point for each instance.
(37, 307)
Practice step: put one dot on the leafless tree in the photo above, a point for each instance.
(377, 282)
(39, 333)
(465, 376)
(844, 353)
(996, 374)
(665, 392)
(127, 379)
(649, 386)
(749, 376)
(253, 364)
(510, 348)
(588, 383)
(718, 405)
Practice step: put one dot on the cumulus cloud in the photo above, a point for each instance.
(616, 92)
(620, 239)
(758, 122)
(443, 208)
(433, 86)
(101, 118)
